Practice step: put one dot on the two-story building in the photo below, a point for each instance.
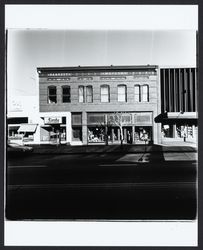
(85, 105)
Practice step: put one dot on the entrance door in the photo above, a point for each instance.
(55, 134)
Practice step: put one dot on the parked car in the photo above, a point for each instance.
(14, 148)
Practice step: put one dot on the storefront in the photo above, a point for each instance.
(53, 130)
(27, 131)
(14, 124)
(76, 124)
(132, 128)
(181, 126)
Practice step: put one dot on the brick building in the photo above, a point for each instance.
(82, 105)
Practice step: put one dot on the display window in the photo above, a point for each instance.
(76, 133)
(53, 134)
(143, 134)
(13, 131)
(96, 134)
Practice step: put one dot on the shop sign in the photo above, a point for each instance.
(52, 120)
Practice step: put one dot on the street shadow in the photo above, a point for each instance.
(103, 186)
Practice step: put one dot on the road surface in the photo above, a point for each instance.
(135, 186)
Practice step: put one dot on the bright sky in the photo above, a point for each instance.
(29, 49)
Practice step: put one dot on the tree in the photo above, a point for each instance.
(118, 119)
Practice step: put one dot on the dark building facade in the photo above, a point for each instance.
(86, 105)
(179, 106)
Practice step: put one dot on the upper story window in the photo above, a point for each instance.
(52, 94)
(122, 93)
(145, 93)
(105, 93)
(66, 95)
(137, 93)
(89, 94)
(81, 93)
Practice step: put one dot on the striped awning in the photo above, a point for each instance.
(27, 128)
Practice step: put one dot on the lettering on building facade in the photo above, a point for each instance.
(52, 120)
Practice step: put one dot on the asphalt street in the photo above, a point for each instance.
(101, 186)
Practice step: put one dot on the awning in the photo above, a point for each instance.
(27, 128)
(189, 118)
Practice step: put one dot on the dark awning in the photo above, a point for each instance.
(178, 118)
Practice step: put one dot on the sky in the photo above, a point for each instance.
(31, 48)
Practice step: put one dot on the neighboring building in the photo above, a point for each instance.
(23, 119)
(77, 104)
(178, 103)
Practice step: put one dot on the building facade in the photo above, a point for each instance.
(179, 106)
(88, 105)
(23, 120)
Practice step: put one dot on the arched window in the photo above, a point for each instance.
(122, 93)
(137, 93)
(145, 93)
(105, 97)
(66, 95)
(89, 94)
(52, 94)
(81, 93)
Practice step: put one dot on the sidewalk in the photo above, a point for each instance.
(67, 149)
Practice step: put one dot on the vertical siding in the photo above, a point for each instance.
(178, 90)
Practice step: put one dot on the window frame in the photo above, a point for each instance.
(145, 85)
(91, 87)
(66, 95)
(139, 93)
(49, 95)
(122, 85)
(83, 87)
(108, 94)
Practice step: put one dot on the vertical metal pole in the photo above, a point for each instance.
(190, 91)
(180, 90)
(195, 72)
(185, 91)
(169, 92)
(174, 91)
(164, 91)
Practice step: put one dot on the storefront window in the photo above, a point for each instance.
(52, 94)
(96, 134)
(77, 133)
(184, 131)
(143, 134)
(51, 133)
(13, 131)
